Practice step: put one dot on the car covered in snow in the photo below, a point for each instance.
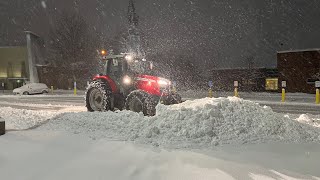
(32, 88)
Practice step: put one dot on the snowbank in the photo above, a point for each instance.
(19, 119)
(309, 119)
(200, 123)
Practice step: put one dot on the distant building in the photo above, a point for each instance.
(18, 64)
(253, 79)
(13, 67)
(300, 69)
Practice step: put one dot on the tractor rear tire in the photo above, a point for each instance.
(99, 97)
(140, 101)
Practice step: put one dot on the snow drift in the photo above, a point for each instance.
(199, 123)
(20, 119)
(23, 119)
(306, 119)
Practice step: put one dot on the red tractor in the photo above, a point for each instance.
(129, 83)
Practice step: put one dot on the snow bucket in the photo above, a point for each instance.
(2, 128)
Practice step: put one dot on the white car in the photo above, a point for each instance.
(32, 88)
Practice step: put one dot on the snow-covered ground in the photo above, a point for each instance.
(296, 103)
(22, 119)
(257, 96)
(198, 123)
(203, 122)
(210, 138)
(51, 155)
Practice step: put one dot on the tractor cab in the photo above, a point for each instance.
(121, 65)
(124, 70)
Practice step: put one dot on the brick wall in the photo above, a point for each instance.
(296, 68)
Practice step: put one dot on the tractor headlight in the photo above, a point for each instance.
(127, 80)
(163, 82)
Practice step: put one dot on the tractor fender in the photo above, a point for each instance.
(108, 80)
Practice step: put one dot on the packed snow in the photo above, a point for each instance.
(80, 145)
(199, 123)
(18, 119)
(52, 155)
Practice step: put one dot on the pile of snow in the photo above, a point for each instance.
(303, 118)
(199, 123)
(308, 119)
(19, 119)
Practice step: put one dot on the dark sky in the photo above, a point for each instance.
(224, 33)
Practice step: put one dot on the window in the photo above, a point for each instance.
(271, 84)
(114, 68)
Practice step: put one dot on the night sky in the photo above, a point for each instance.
(223, 34)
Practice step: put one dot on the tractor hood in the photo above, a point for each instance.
(152, 84)
(154, 79)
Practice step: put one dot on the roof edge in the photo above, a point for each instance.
(298, 50)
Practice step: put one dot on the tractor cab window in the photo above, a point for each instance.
(114, 68)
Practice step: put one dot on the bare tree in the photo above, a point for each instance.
(180, 68)
(72, 47)
(316, 76)
(250, 75)
(117, 43)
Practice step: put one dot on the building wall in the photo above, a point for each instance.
(249, 79)
(13, 66)
(18, 62)
(297, 68)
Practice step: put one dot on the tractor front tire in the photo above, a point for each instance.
(140, 101)
(99, 97)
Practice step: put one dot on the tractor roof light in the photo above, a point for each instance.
(103, 52)
(128, 57)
